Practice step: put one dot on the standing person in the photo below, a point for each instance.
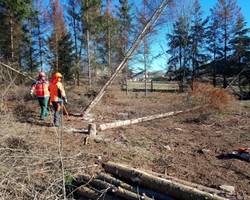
(41, 89)
(57, 97)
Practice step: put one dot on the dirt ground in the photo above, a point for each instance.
(184, 146)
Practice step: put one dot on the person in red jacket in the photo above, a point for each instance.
(57, 97)
(41, 89)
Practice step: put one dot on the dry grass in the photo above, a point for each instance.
(31, 156)
(31, 168)
(216, 98)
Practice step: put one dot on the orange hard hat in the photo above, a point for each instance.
(58, 75)
(41, 74)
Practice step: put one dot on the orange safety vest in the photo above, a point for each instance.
(57, 91)
(41, 88)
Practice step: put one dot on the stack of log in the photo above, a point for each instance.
(120, 182)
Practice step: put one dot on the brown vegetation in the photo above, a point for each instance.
(216, 98)
(183, 146)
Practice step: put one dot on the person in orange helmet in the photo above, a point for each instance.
(41, 89)
(57, 97)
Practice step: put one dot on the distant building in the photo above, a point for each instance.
(140, 76)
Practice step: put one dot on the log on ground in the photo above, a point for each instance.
(119, 183)
(142, 119)
(111, 189)
(172, 188)
(87, 193)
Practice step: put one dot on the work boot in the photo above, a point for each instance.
(57, 125)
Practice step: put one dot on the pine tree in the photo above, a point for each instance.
(28, 49)
(197, 38)
(179, 44)
(39, 33)
(74, 12)
(108, 38)
(213, 43)
(125, 25)
(241, 41)
(66, 56)
(226, 12)
(12, 15)
(58, 32)
(91, 11)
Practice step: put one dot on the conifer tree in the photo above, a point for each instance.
(66, 56)
(59, 30)
(91, 11)
(12, 15)
(197, 38)
(108, 34)
(241, 40)
(226, 11)
(74, 18)
(125, 25)
(179, 44)
(213, 43)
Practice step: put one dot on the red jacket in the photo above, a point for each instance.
(40, 88)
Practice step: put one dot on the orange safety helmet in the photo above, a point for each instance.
(41, 74)
(58, 75)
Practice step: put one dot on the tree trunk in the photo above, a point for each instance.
(175, 190)
(135, 189)
(12, 38)
(145, 63)
(109, 46)
(40, 44)
(56, 51)
(115, 181)
(88, 44)
(85, 192)
(142, 119)
(152, 20)
(110, 188)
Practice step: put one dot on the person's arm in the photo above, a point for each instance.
(32, 89)
(63, 94)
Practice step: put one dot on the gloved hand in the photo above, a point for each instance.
(31, 93)
(65, 100)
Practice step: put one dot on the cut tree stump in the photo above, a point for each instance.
(92, 130)
(176, 190)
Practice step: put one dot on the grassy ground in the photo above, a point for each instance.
(184, 146)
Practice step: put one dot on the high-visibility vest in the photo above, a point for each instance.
(57, 91)
(41, 88)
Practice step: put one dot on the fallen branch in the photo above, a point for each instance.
(142, 119)
(172, 188)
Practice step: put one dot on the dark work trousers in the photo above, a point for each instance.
(57, 108)
(43, 102)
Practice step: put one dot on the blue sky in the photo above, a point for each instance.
(160, 63)
(159, 40)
